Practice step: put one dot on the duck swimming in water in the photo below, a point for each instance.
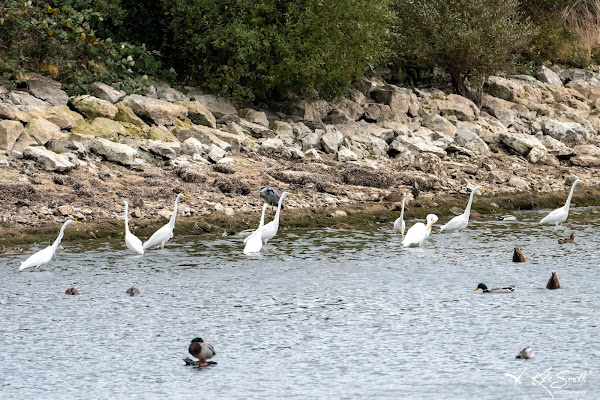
(526, 353)
(503, 289)
(202, 351)
(570, 239)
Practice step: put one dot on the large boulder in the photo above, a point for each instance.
(161, 133)
(106, 92)
(331, 139)
(226, 141)
(126, 115)
(458, 106)
(256, 117)
(167, 93)
(11, 111)
(255, 130)
(19, 98)
(49, 160)
(284, 131)
(192, 146)
(218, 108)
(520, 142)
(570, 133)
(375, 112)
(62, 116)
(92, 107)
(439, 124)
(556, 147)
(46, 89)
(548, 76)
(159, 112)
(166, 151)
(471, 141)
(117, 152)
(586, 156)
(9, 133)
(501, 109)
(101, 127)
(274, 147)
(400, 100)
(199, 114)
(344, 111)
(215, 153)
(344, 154)
(416, 145)
(43, 130)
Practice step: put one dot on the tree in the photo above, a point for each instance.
(469, 39)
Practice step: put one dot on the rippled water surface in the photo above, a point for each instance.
(319, 314)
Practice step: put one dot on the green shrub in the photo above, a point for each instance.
(266, 48)
(468, 39)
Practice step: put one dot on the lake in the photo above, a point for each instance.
(321, 313)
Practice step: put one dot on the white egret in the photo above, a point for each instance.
(133, 242)
(399, 224)
(45, 255)
(560, 215)
(254, 241)
(417, 233)
(461, 221)
(161, 236)
(502, 289)
(433, 219)
(270, 230)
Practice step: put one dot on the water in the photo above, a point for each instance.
(320, 314)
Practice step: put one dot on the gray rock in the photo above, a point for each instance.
(163, 150)
(430, 163)
(227, 141)
(416, 145)
(117, 152)
(126, 115)
(218, 108)
(344, 154)
(46, 89)
(458, 106)
(215, 153)
(345, 111)
(519, 183)
(92, 107)
(42, 130)
(586, 156)
(501, 109)
(199, 114)
(374, 112)
(106, 92)
(471, 141)
(520, 142)
(437, 123)
(503, 88)
(312, 154)
(556, 147)
(61, 146)
(192, 146)
(11, 111)
(62, 116)
(101, 127)
(169, 94)
(284, 131)
(296, 153)
(331, 139)
(570, 133)
(48, 160)
(256, 117)
(19, 98)
(274, 147)
(9, 133)
(255, 130)
(400, 100)
(158, 111)
(311, 140)
(548, 76)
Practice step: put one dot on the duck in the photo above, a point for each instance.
(518, 255)
(570, 239)
(553, 282)
(132, 291)
(72, 291)
(507, 218)
(526, 353)
(202, 351)
(9, 250)
(502, 289)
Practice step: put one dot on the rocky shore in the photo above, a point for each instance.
(77, 157)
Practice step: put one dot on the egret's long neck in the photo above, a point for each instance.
(59, 238)
(468, 209)
(278, 210)
(568, 203)
(172, 221)
(402, 211)
(126, 218)
(262, 217)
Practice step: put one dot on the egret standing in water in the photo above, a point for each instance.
(254, 241)
(132, 242)
(44, 256)
(399, 224)
(161, 236)
(270, 230)
(560, 215)
(461, 221)
(417, 233)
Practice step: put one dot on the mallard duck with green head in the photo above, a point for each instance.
(202, 351)
(503, 289)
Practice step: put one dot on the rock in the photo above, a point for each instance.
(61, 146)
(345, 154)
(506, 89)
(158, 111)
(65, 210)
(106, 92)
(274, 147)
(62, 116)
(311, 140)
(312, 111)
(117, 152)
(440, 124)
(416, 145)
(400, 100)
(430, 163)
(339, 214)
(10, 111)
(556, 147)
(256, 117)
(553, 282)
(586, 155)
(518, 255)
(457, 106)
(471, 141)
(46, 89)
(19, 98)
(570, 133)
(42, 130)
(548, 76)
(163, 150)
(192, 146)
(49, 160)
(519, 183)
(126, 114)
(296, 153)
(284, 131)
(331, 139)
(9, 133)
(92, 107)
(312, 154)
(169, 94)
(255, 130)
(161, 133)
(226, 161)
(380, 113)
(72, 291)
(344, 111)
(520, 142)
(215, 153)
(199, 114)
(501, 109)
(227, 141)
(218, 108)
(101, 127)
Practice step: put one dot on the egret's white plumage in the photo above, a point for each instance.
(433, 220)
(560, 215)
(254, 241)
(270, 230)
(133, 243)
(45, 255)
(399, 224)
(161, 236)
(461, 221)
(418, 233)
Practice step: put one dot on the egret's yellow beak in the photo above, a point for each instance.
(293, 194)
(583, 183)
(76, 222)
(185, 197)
(429, 226)
(483, 189)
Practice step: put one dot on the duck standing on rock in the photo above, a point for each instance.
(518, 255)
(570, 239)
(503, 289)
(202, 351)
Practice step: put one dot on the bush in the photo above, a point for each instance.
(62, 41)
(468, 39)
(260, 49)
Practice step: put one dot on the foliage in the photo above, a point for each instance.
(266, 48)
(63, 42)
(468, 39)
